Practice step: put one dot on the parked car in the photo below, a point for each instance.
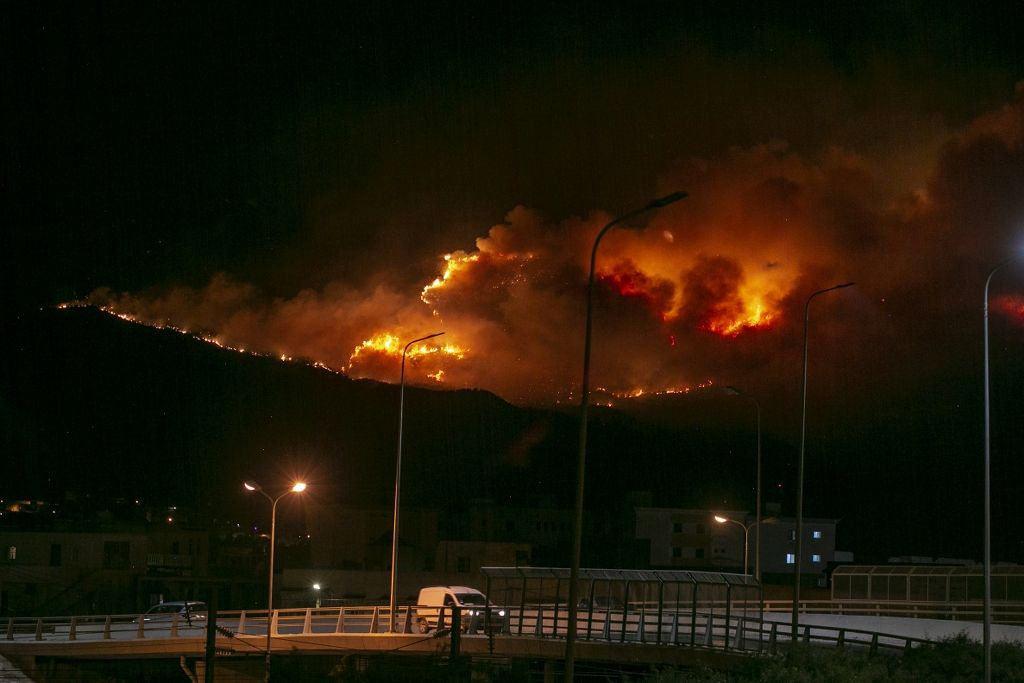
(434, 600)
(187, 611)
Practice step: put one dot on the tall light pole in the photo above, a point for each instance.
(746, 535)
(987, 559)
(800, 466)
(398, 482)
(297, 487)
(581, 460)
(733, 391)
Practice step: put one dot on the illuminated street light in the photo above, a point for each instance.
(398, 482)
(297, 487)
(987, 559)
(733, 391)
(574, 570)
(746, 535)
(800, 466)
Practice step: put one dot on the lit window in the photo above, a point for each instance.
(792, 534)
(12, 552)
(790, 558)
(816, 559)
(816, 535)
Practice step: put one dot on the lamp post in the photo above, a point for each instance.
(987, 559)
(733, 391)
(398, 482)
(574, 570)
(297, 487)
(746, 535)
(800, 466)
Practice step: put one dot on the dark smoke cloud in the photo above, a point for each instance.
(763, 227)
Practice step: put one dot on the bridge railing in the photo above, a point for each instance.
(1002, 612)
(706, 626)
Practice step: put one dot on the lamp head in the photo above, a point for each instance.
(667, 199)
(733, 391)
(720, 519)
(299, 487)
(251, 486)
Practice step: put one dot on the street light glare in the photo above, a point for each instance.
(720, 519)
(251, 486)
(299, 487)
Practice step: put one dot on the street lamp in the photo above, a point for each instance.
(987, 559)
(574, 570)
(746, 535)
(733, 391)
(297, 487)
(746, 532)
(800, 466)
(398, 482)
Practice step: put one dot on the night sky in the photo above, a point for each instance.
(306, 179)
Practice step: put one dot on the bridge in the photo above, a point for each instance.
(635, 618)
(633, 635)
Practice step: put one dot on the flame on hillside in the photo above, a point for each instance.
(705, 288)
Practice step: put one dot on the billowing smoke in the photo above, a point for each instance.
(703, 290)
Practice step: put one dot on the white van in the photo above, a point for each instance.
(433, 598)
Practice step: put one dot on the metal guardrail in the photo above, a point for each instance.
(1002, 613)
(702, 628)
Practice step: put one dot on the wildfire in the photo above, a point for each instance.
(605, 397)
(387, 345)
(733, 327)
(1012, 306)
(454, 264)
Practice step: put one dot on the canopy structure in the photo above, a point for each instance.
(627, 592)
(925, 583)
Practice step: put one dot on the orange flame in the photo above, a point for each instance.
(385, 344)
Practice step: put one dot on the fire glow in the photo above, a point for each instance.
(388, 345)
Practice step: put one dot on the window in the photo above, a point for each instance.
(677, 527)
(699, 554)
(816, 535)
(816, 558)
(790, 558)
(792, 534)
(677, 552)
(700, 529)
(12, 552)
(462, 564)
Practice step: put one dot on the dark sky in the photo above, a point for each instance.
(289, 178)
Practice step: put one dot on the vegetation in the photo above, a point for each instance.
(953, 660)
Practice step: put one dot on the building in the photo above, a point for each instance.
(692, 539)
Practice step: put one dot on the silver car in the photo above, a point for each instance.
(187, 611)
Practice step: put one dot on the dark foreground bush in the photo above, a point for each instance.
(954, 660)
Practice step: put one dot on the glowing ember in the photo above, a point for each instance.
(1012, 306)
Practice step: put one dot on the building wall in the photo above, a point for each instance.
(686, 538)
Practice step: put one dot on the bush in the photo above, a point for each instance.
(953, 660)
